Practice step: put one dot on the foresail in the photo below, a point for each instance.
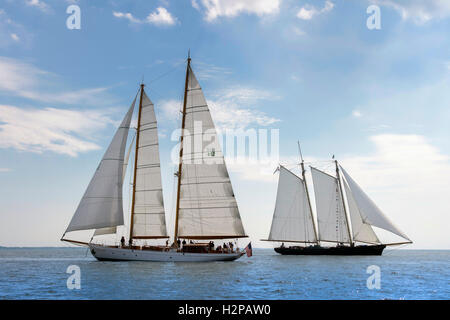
(101, 205)
(332, 223)
(113, 230)
(207, 206)
(292, 219)
(361, 231)
(149, 215)
(369, 211)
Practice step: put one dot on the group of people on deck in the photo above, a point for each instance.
(225, 248)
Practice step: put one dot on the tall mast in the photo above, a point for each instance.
(175, 238)
(302, 163)
(338, 176)
(135, 162)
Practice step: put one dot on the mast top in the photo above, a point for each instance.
(189, 56)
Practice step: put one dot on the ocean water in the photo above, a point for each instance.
(40, 273)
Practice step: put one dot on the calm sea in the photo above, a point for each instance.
(40, 273)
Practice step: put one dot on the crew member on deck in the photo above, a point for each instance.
(130, 242)
(122, 242)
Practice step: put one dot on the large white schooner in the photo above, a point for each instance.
(346, 216)
(206, 208)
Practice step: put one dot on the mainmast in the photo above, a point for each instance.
(302, 163)
(338, 176)
(183, 123)
(135, 163)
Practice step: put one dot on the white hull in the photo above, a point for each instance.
(104, 253)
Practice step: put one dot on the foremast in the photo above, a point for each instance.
(302, 164)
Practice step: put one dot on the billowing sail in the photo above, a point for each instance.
(370, 213)
(332, 223)
(292, 219)
(148, 216)
(113, 230)
(207, 206)
(361, 231)
(101, 205)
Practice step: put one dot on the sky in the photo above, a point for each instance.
(377, 99)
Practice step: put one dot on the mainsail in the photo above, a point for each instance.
(206, 208)
(148, 216)
(292, 218)
(101, 205)
(332, 222)
(370, 214)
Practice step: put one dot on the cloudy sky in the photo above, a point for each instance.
(377, 99)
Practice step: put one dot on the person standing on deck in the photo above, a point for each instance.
(122, 242)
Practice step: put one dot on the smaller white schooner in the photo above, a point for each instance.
(206, 208)
(345, 216)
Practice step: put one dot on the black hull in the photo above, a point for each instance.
(375, 250)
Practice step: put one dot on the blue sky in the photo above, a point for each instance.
(377, 99)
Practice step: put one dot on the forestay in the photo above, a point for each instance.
(292, 219)
(332, 223)
(207, 207)
(101, 205)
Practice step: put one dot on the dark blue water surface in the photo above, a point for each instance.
(40, 273)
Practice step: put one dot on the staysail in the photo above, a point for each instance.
(113, 230)
(148, 215)
(207, 208)
(370, 213)
(292, 218)
(332, 222)
(101, 205)
(361, 231)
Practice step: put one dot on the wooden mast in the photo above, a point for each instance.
(338, 176)
(183, 122)
(302, 163)
(135, 163)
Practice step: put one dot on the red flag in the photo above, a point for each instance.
(248, 249)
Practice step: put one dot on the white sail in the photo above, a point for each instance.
(370, 213)
(149, 216)
(101, 205)
(103, 231)
(332, 223)
(361, 231)
(113, 230)
(208, 208)
(292, 219)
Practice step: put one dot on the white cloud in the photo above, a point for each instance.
(127, 16)
(418, 11)
(41, 5)
(5, 170)
(15, 37)
(206, 71)
(308, 11)
(25, 80)
(58, 130)
(159, 17)
(231, 8)
(356, 114)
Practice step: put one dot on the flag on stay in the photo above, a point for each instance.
(248, 249)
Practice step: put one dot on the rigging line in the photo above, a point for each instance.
(177, 65)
